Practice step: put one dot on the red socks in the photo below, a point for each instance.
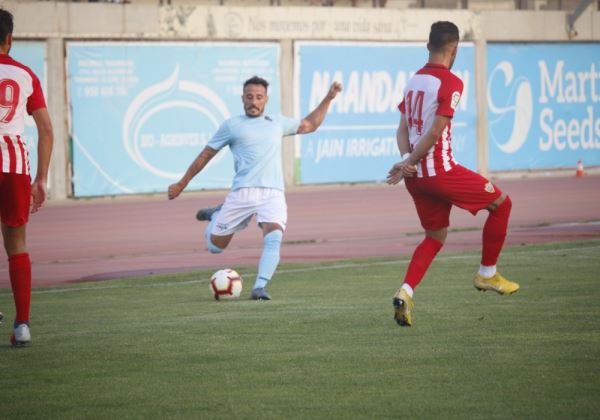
(421, 260)
(494, 233)
(19, 268)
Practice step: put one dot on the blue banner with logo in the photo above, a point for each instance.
(33, 55)
(543, 105)
(357, 141)
(141, 112)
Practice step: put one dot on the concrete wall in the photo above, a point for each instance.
(127, 21)
(57, 22)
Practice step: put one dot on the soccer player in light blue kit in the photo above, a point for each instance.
(255, 142)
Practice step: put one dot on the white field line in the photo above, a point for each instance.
(301, 270)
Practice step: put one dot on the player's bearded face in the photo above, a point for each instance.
(254, 98)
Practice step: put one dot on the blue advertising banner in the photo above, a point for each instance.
(33, 55)
(141, 112)
(543, 105)
(357, 141)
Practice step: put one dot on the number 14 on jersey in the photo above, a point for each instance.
(415, 110)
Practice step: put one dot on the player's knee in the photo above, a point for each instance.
(438, 234)
(504, 207)
(14, 241)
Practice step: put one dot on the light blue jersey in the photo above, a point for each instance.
(256, 147)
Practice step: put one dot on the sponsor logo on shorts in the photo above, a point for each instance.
(489, 187)
(222, 226)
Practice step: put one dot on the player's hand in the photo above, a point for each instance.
(394, 174)
(336, 87)
(408, 170)
(401, 170)
(38, 195)
(175, 190)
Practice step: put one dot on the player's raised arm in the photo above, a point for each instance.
(197, 165)
(313, 120)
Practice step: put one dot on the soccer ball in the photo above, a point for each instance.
(226, 284)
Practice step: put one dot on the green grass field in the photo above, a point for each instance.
(325, 347)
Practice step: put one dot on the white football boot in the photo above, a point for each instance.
(21, 336)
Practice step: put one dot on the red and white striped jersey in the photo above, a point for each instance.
(20, 92)
(433, 90)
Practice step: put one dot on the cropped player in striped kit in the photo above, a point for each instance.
(434, 179)
(20, 93)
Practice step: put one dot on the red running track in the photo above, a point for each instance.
(102, 239)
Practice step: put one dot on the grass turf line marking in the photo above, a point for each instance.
(302, 270)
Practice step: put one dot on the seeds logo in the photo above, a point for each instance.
(171, 119)
(510, 128)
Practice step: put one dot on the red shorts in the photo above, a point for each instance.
(434, 196)
(15, 197)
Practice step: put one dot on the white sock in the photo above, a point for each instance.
(409, 290)
(487, 270)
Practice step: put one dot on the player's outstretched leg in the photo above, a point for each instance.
(267, 264)
(207, 213)
(494, 234)
(211, 215)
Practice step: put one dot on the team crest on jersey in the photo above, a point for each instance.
(489, 187)
(455, 99)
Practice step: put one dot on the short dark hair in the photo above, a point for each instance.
(255, 80)
(6, 24)
(442, 33)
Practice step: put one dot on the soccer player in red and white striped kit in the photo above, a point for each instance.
(20, 92)
(434, 179)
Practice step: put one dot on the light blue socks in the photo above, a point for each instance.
(269, 258)
(212, 248)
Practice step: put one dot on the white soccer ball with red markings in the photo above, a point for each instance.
(226, 284)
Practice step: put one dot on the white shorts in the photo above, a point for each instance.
(240, 205)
